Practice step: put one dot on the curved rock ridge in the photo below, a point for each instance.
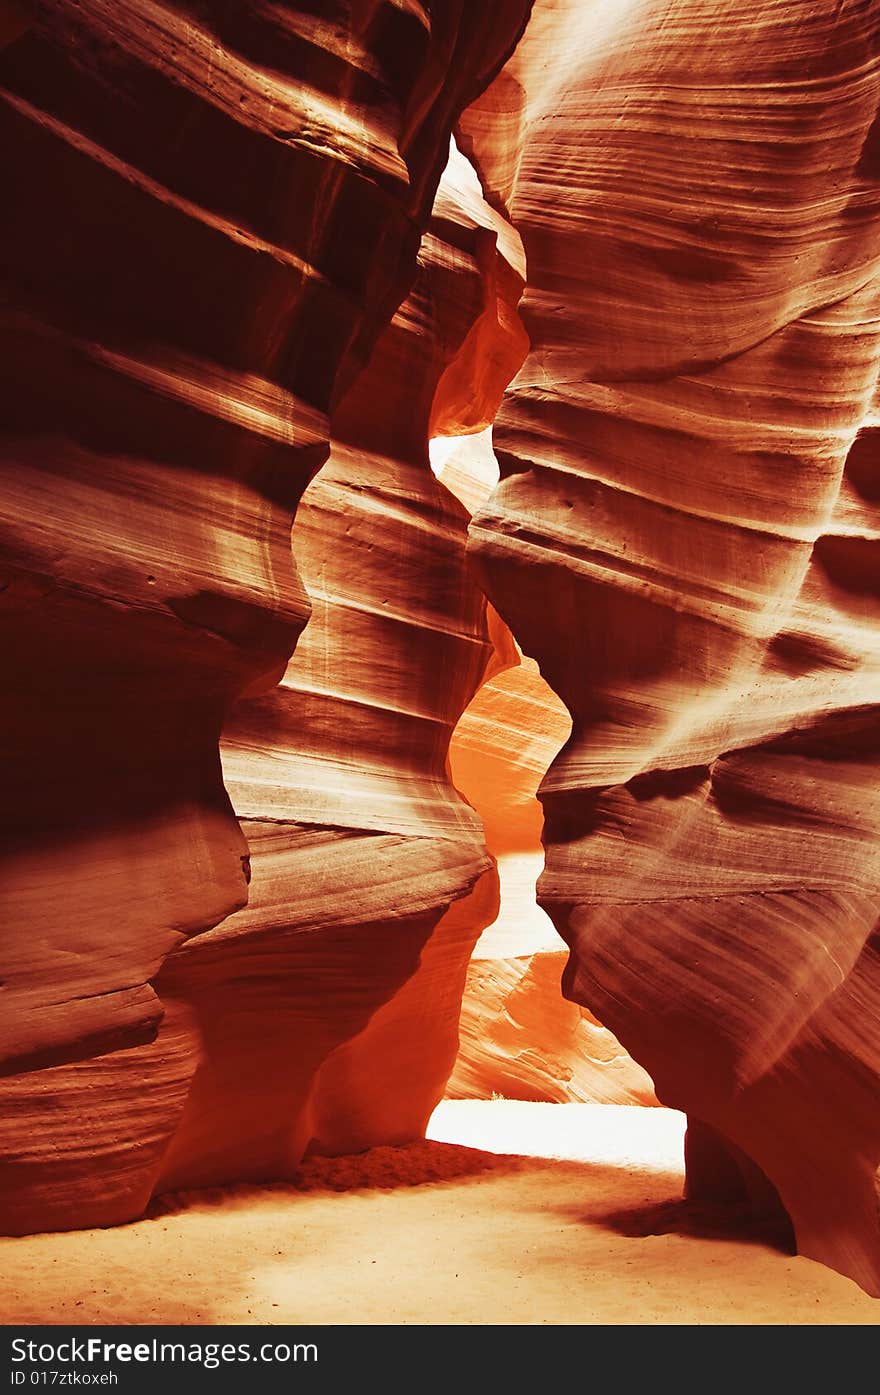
(184, 306)
(313, 1030)
(519, 1038)
(685, 539)
(219, 275)
(506, 737)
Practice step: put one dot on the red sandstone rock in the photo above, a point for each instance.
(520, 1041)
(685, 539)
(186, 304)
(518, 1037)
(359, 842)
(211, 270)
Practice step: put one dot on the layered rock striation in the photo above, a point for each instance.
(220, 277)
(684, 539)
(518, 1037)
(360, 845)
(217, 211)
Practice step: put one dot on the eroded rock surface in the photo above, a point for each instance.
(518, 1037)
(217, 211)
(360, 845)
(217, 281)
(685, 539)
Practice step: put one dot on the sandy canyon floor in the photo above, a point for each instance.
(509, 1213)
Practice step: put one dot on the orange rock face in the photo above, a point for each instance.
(517, 1037)
(685, 539)
(360, 845)
(240, 300)
(186, 306)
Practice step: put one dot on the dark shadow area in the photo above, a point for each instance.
(701, 1220)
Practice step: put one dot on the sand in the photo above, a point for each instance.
(583, 1225)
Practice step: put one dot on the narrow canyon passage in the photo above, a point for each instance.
(440, 452)
(518, 1037)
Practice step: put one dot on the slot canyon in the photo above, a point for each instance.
(440, 598)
